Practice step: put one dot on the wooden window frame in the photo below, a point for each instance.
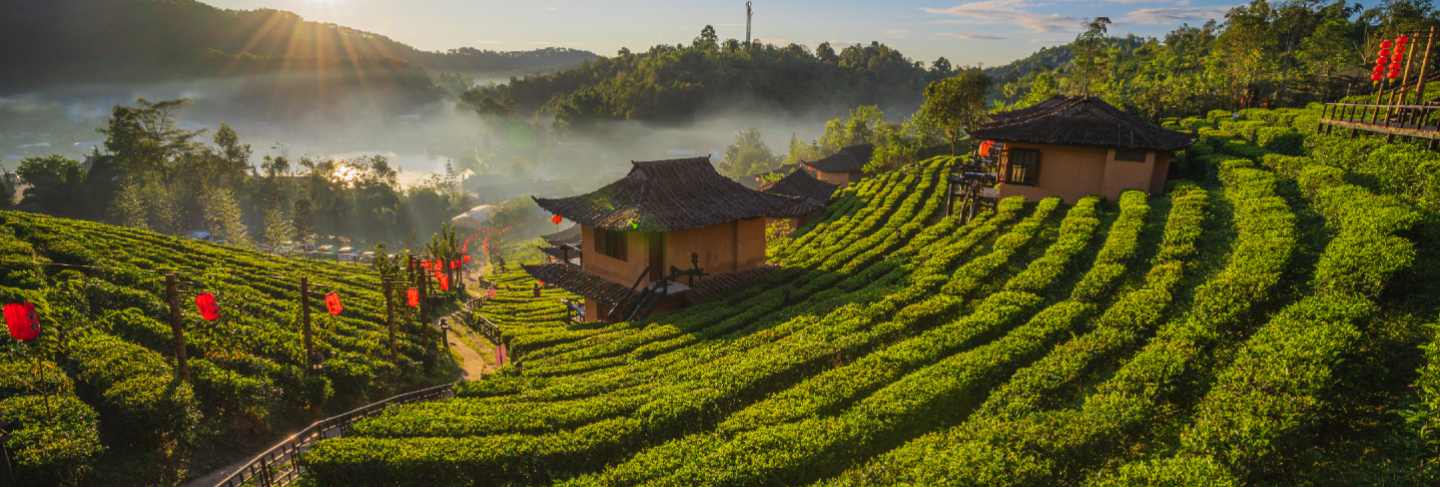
(1144, 155)
(612, 244)
(1031, 175)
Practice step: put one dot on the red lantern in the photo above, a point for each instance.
(425, 264)
(490, 293)
(22, 321)
(332, 304)
(412, 297)
(454, 265)
(465, 259)
(556, 219)
(205, 304)
(444, 281)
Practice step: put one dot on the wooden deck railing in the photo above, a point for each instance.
(280, 465)
(1416, 121)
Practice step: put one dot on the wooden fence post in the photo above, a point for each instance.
(172, 294)
(305, 323)
(1424, 62)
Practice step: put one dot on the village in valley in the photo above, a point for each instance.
(1185, 244)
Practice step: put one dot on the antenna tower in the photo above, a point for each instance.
(748, 15)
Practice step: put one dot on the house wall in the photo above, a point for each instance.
(1073, 172)
(1066, 171)
(726, 247)
(1162, 172)
(637, 253)
(839, 179)
(1126, 175)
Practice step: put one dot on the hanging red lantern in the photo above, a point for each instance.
(206, 305)
(22, 321)
(985, 148)
(454, 265)
(556, 219)
(412, 297)
(425, 264)
(444, 281)
(332, 304)
(465, 259)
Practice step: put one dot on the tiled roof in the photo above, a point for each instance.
(1079, 120)
(675, 194)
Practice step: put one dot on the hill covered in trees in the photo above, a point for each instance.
(45, 42)
(1263, 54)
(670, 83)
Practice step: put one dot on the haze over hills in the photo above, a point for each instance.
(155, 40)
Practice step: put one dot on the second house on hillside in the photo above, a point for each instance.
(841, 168)
(668, 233)
(1072, 147)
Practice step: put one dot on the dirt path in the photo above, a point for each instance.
(472, 363)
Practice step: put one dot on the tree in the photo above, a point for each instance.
(941, 68)
(54, 185)
(223, 218)
(826, 54)
(304, 220)
(1091, 57)
(707, 41)
(956, 104)
(278, 228)
(234, 157)
(748, 155)
(129, 207)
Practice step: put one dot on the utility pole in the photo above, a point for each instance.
(749, 13)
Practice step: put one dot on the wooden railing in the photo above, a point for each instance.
(280, 465)
(1416, 121)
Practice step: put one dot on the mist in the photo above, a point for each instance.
(303, 116)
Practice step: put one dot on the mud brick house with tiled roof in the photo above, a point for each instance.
(654, 233)
(1076, 146)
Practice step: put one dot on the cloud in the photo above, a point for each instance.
(970, 36)
(1173, 15)
(1008, 12)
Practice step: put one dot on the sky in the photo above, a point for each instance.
(989, 32)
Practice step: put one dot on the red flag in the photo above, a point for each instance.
(444, 281)
(332, 304)
(205, 304)
(24, 324)
(556, 219)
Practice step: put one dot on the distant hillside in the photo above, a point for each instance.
(44, 42)
(676, 83)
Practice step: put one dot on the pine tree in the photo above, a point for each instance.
(129, 206)
(278, 228)
(223, 218)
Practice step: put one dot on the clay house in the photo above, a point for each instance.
(801, 185)
(1076, 146)
(563, 246)
(841, 168)
(661, 235)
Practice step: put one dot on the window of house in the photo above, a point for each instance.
(1130, 155)
(610, 243)
(1023, 167)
